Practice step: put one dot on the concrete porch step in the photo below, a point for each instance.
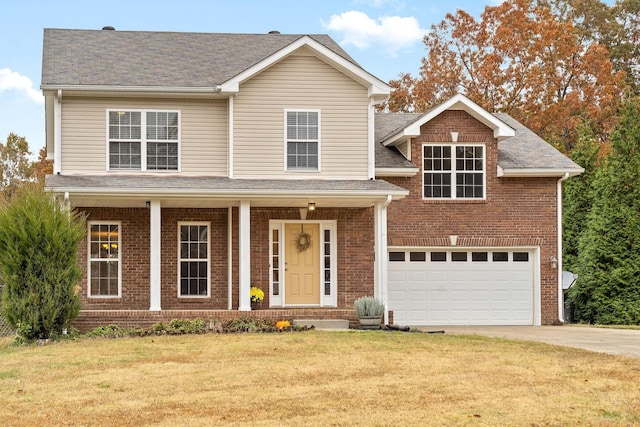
(323, 323)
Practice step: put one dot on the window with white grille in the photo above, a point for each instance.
(303, 140)
(453, 171)
(144, 140)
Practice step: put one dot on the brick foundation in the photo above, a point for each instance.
(89, 319)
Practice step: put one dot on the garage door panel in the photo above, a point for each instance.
(397, 275)
(438, 275)
(439, 296)
(462, 293)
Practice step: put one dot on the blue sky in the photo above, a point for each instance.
(384, 36)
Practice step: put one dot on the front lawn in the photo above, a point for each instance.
(315, 378)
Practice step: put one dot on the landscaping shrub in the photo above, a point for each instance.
(249, 324)
(180, 326)
(114, 331)
(39, 270)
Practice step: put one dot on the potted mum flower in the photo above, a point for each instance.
(257, 296)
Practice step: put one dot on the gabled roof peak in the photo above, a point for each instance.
(501, 130)
(105, 59)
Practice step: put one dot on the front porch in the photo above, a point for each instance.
(165, 247)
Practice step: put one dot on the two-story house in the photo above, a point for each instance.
(210, 163)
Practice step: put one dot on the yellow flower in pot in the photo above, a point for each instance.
(257, 296)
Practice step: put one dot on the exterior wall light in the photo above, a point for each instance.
(554, 261)
(311, 206)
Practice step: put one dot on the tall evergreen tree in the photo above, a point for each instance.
(39, 271)
(576, 196)
(608, 289)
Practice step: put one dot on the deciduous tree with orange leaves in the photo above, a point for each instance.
(521, 59)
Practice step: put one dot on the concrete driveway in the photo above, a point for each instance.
(612, 341)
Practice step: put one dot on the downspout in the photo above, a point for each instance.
(384, 288)
(371, 151)
(559, 209)
(230, 145)
(229, 258)
(57, 133)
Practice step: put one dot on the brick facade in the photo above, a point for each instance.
(355, 268)
(517, 212)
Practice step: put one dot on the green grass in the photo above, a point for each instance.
(323, 378)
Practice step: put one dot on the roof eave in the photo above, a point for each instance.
(537, 172)
(225, 193)
(396, 172)
(110, 88)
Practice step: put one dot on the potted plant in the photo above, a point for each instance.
(257, 296)
(369, 310)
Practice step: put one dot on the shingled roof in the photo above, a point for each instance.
(387, 124)
(526, 150)
(518, 154)
(151, 58)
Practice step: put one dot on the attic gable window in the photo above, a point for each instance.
(303, 140)
(453, 171)
(143, 140)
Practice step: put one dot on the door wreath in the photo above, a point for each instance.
(304, 241)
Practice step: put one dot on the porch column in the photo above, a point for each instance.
(380, 267)
(155, 222)
(244, 250)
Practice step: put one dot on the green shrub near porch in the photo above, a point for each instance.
(39, 270)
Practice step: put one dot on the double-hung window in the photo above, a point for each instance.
(104, 259)
(193, 259)
(453, 171)
(144, 140)
(303, 140)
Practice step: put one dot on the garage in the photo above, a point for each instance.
(462, 287)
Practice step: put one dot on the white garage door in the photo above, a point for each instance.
(461, 287)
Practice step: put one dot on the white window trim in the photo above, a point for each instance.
(303, 110)
(144, 141)
(454, 171)
(179, 259)
(325, 300)
(90, 259)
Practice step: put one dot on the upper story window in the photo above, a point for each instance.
(303, 140)
(453, 171)
(144, 140)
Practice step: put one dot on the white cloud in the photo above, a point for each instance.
(392, 33)
(12, 80)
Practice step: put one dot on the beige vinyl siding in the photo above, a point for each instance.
(307, 83)
(203, 133)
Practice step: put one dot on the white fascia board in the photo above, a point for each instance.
(537, 172)
(377, 88)
(142, 89)
(399, 172)
(235, 193)
(458, 102)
